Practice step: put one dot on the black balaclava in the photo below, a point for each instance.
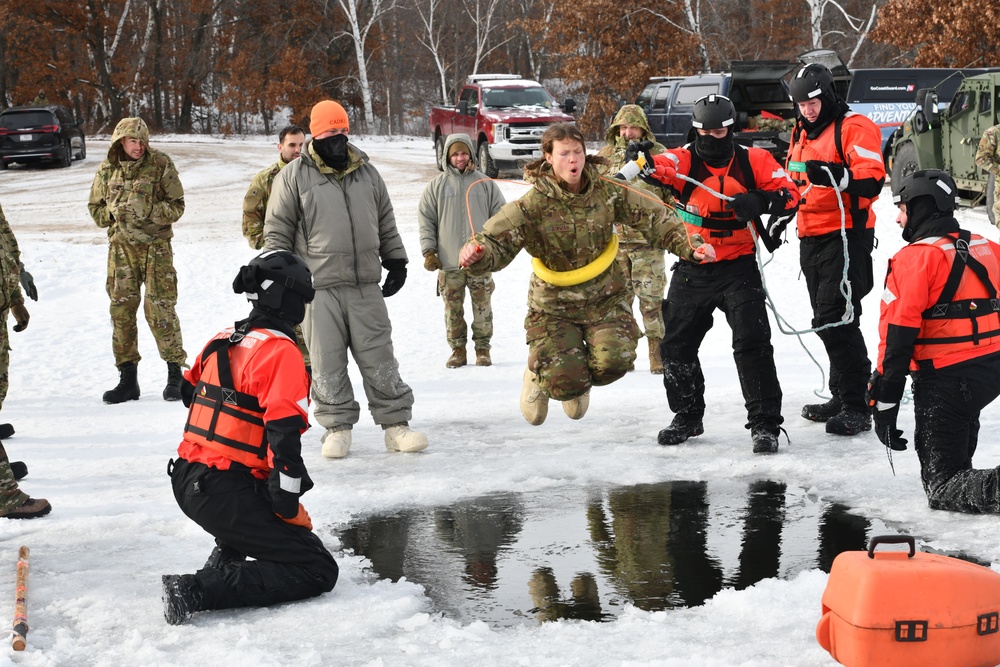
(714, 151)
(333, 150)
(923, 219)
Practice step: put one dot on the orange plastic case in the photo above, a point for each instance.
(909, 609)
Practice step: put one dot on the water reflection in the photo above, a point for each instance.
(510, 559)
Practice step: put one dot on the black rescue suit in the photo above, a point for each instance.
(247, 394)
(854, 141)
(940, 321)
(731, 284)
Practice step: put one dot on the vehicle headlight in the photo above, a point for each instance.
(500, 132)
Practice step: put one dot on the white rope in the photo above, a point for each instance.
(845, 285)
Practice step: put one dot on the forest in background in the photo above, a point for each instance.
(235, 66)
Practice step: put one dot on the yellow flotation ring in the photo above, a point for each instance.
(581, 275)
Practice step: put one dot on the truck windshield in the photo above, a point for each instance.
(499, 98)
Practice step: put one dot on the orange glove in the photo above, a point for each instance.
(666, 170)
(300, 519)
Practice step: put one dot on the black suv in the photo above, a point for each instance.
(47, 133)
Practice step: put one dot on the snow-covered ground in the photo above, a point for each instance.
(96, 561)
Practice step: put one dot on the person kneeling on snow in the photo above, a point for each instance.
(240, 473)
(941, 323)
(579, 326)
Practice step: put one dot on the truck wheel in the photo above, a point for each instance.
(991, 193)
(905, 163)
(486, 162)
(439, 152)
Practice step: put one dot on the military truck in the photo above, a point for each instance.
(934, 138)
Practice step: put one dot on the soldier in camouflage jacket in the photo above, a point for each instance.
(643, 265)
(988, 158)
(14, 503)
(137, 196)
(579, 334)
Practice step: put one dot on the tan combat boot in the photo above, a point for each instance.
(534, 403)
(576, 408)
(483, 357)
(457, 358)
(655, 362)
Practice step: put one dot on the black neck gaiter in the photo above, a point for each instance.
(333, 150)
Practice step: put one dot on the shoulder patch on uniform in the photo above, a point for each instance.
(887, 296)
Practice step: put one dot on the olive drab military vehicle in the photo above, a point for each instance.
(935, 138)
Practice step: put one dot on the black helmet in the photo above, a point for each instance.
(713, 112)
(928, 182)
(812, 81)
(277, 282)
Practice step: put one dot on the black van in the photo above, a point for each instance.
(46, 133)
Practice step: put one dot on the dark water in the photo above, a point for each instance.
(510, 559)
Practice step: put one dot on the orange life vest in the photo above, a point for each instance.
(224, 420)
(819, 212)
(705, 214)
(965, 321)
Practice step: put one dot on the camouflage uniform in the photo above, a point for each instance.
(138, 201)
(988, 158)
(643, 265)
(444, 229)
(11, 497)
(254, 208)
(580, 335)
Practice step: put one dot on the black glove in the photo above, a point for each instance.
(395, 277)
(284, 502)
(885, 428)
(28, 284)
(749, 205)
(816, 173)
(637, 148)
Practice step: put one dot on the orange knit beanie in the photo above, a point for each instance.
(327, 115)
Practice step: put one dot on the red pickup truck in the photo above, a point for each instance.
(504, 115)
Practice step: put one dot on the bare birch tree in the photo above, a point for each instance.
(430, 37)
(360, 28)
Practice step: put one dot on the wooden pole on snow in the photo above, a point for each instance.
(21, 606)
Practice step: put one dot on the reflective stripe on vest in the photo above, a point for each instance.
(963, 317)
(224, 420)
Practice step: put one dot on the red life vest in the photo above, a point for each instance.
(705, 214)
(964, 323)
(221, 419)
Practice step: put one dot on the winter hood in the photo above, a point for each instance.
(456, 138)
(630, 114)
(134, 128)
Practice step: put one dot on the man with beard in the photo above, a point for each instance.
(940, 323)
(756, 184)
(331, 208)
(836, 158)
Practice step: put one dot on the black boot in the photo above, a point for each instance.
(182, 596)
(6, 431)
(821, 412)
(681, 428)
(849, 421)
(128, 385)
(765, 439)
(223, 556)
(172, 392)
